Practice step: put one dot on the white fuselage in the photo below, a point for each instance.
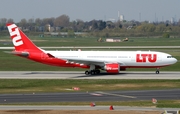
(124, 58)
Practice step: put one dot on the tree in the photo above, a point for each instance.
(10, 21)
(120, 26)
(102, 25)
(23, 23)
(38, 22)
(77, 25)
(45, 21)
(62, 21)
(31, 21)
(160, 28)
(2, 23)
(179, 22)
(151, 27)
(166, 35)
(94, 25)
(3, 20)
(110, 25)
(70, 33)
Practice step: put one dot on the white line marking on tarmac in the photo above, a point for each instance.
(96, 94)
(100, 92)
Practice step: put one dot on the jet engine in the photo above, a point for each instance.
(112, 68)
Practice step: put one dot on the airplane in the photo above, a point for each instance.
(111, 61)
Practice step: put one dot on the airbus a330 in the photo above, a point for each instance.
(94, 61)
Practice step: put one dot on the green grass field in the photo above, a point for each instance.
(91, 41)
(54, 85)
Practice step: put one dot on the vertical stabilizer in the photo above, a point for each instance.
(20, 41)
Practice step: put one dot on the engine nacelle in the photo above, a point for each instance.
(112, 68)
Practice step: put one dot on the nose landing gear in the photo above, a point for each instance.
(157, 70)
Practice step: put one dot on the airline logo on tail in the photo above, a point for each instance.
(15, 35)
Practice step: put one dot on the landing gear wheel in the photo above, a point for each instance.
(87, 72)
(92, 72)
(157, 72)
(97, 71)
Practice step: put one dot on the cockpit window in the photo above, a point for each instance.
(170, 57)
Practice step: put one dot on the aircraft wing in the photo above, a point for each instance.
(86, 61)
(90, 61)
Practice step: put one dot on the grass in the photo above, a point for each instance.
(91, 41)
(61, 85)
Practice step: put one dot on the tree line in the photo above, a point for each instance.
(97, 28)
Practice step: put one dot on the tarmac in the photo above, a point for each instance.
(81, 75)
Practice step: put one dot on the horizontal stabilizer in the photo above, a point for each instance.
(24, 54)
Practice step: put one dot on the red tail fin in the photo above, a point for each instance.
(20, 41)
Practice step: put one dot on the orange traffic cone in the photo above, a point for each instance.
(111, 108)
(154, 101)
(92, 104)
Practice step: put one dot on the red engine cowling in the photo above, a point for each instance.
(112, 68)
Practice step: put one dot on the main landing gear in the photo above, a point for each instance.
(92, 72)
(157, 70)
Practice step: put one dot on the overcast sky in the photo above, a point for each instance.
(87, 10)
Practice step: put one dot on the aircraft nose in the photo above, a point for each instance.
(175, 60)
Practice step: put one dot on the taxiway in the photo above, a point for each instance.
(81, 75)
(172, 94)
